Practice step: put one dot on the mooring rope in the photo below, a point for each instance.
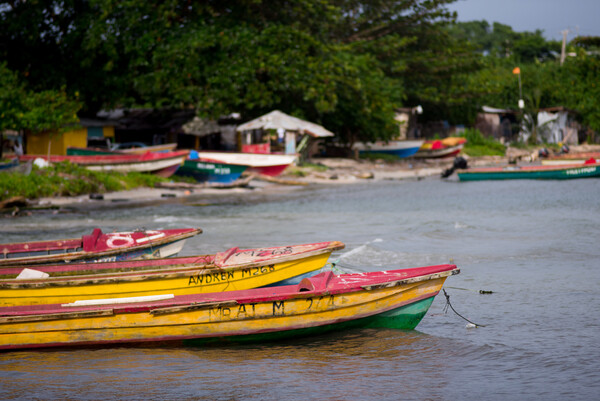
(448, 304)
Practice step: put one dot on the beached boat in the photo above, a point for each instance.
(14, 166)
(131, 148)
(235, 269)
(162, 164)
(261, 163)
(206, 170)
(98, 247)
(440, 148)
(572, 158)
(75, 151)
(323, 303)
(396, 148)
(553, 172)
(9, 164)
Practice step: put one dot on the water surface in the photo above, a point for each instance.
(534, 244)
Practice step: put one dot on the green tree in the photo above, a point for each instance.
(26, 110)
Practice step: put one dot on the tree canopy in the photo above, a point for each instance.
(347, 64)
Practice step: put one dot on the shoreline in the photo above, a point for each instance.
(337, 171)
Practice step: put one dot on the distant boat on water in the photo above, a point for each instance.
(554, 172)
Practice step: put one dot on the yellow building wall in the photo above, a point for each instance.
(37, 144)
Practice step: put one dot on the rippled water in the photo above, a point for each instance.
(533, 243)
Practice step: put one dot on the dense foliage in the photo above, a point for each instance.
(345, 64)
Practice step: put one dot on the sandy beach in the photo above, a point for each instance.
(339, 171)
(333, 171)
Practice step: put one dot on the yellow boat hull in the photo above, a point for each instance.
(369, 306)
(176, 282)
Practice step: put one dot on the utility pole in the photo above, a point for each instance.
(564, 46)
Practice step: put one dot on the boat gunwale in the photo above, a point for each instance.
(157, 274)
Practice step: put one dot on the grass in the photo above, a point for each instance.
(301, 170)
(379, 156)
(479, 145)
(66, 179)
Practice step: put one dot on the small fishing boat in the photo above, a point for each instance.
(552, 172)
(572, 158)
(162, 164)
(396, 148)
(323, 303)
(133, 148)
(262, 163)
(206, 170)
(440, 148)
(98, 247)
(76, 151)
(14, 166)
(235, 269)
(9, 164)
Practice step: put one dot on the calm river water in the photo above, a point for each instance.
(535, 244)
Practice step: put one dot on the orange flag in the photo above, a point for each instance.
(516, 70)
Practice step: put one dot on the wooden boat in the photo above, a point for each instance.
(14, 166)
(206, 170)
(75, 151)
(324, 303)
(268, 164)
(440, 148)
(162, 164)
(9, 164)
(556, 172)
(235, 269)
(98, 247)
(165, 147)
(396, 148)
(572, 158)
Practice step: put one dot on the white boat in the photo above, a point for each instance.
(262, 163)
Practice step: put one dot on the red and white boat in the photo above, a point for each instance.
(268, 164)
(439, 148)
(162, 164)
(98, 247)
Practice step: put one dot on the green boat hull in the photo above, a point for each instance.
(544, 174)
(404, 318)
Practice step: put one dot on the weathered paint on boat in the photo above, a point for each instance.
(234, 269)
(395, 298)
(204, 170)
(396, 148)
(98, 247)
(557, 172)
(162, 164)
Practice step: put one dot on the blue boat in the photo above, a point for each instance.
(207, 170)
(396, 148)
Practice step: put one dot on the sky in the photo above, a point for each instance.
(579, 17)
